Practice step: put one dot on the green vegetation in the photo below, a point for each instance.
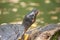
(49, 11)
(56, 35)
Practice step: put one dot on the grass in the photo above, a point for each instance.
(7, 15)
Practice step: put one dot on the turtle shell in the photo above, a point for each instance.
(11, 31)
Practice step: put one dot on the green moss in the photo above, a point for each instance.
(56, 35)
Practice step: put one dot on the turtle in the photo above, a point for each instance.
(13, 31)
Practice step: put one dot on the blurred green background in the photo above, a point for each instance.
(15, 10)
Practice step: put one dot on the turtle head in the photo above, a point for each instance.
(30, 18)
